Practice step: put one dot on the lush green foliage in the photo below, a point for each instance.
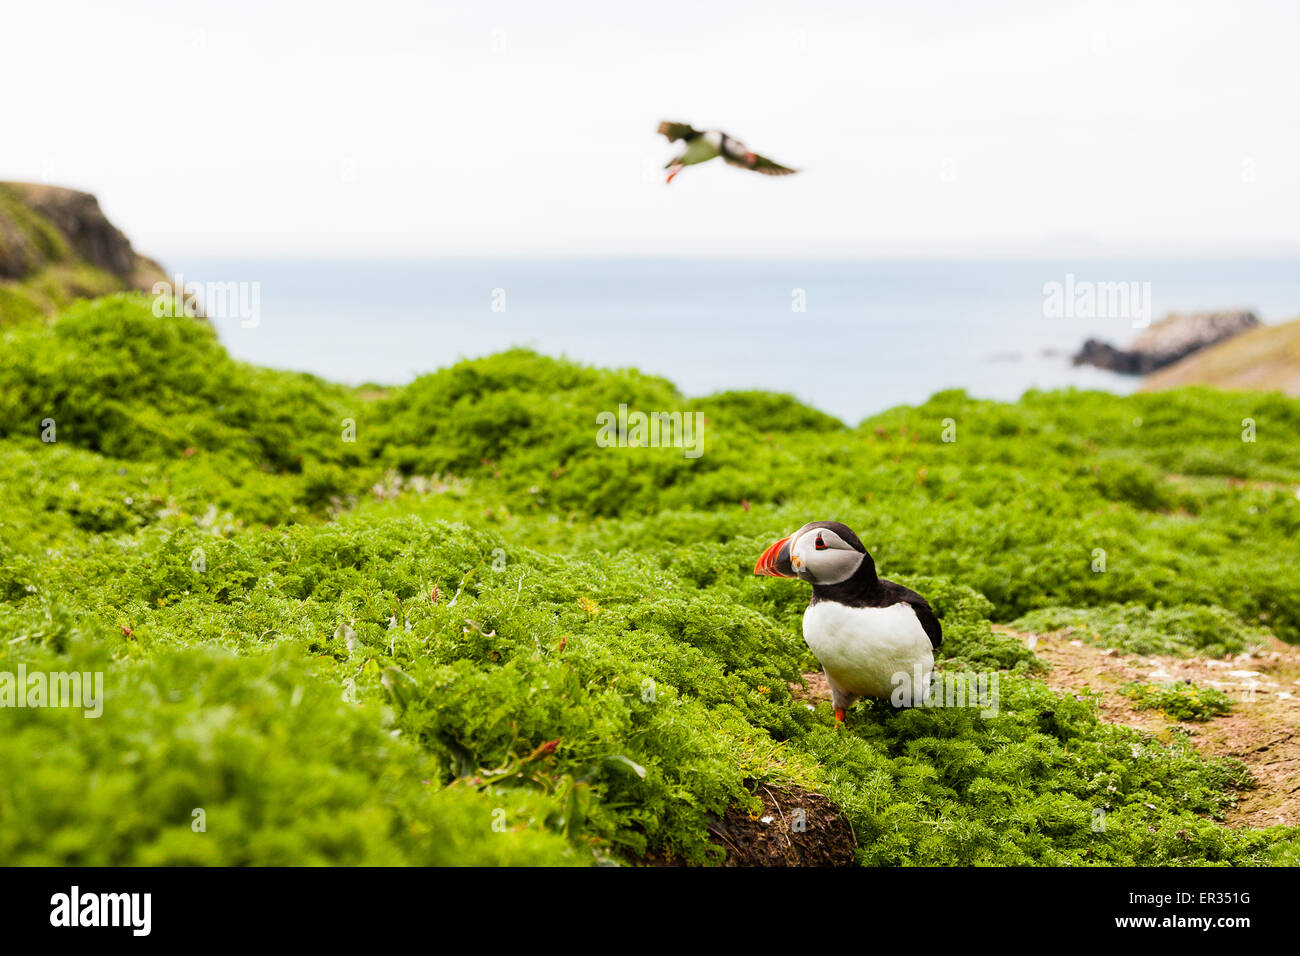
(1179, 701)
(1185, 629)
(474, 635)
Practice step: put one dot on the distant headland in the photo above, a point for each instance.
(57, 246)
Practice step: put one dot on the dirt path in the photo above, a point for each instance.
(1262, 731)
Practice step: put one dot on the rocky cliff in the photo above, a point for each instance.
(1168, 341)
(56, 245)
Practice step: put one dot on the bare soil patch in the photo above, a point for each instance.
(795, 827)
(1263, 730)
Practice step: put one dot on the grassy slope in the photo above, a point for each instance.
(1263, 359)
(360, 651)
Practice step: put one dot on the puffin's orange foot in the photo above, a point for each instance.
(839, 714)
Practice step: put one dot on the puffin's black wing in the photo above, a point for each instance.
(897, 594)
(759, 164)
(676, 131)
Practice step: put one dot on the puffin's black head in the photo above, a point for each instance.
(821, 553)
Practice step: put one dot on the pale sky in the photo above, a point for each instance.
(403, 128)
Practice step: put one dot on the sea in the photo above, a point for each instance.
(849, 336)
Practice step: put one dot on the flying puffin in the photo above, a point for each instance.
(864, 631)
(703, 145)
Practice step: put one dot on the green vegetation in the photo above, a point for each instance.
(473, 635)
(1183, 630)
(1179, 701)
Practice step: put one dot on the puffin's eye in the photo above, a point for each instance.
(820, 545)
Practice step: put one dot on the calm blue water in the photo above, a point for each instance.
(874, 334)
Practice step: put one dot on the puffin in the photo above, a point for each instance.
(704, 145)
(865, 632)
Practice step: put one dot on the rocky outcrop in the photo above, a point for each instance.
(77, 216)
(1170, 340)
(1265, 359)
(56, 245)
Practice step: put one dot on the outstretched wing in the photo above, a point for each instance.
(676, 131)
(759, 164)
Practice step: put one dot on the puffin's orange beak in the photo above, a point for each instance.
(775, 561)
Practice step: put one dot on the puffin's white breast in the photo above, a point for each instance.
(863, 648)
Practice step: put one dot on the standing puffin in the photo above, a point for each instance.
(865, 632)
(703, 145)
